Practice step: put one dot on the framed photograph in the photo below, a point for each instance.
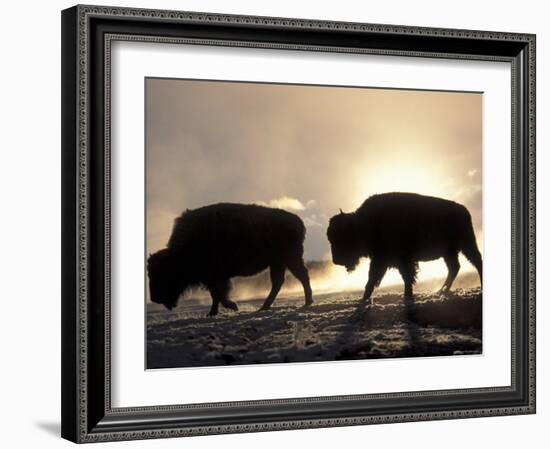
(277, 223)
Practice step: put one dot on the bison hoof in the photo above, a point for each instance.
(231, 305)
(210, 314)
(263, 308)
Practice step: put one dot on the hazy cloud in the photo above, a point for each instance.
(285, 202)
(308, 149)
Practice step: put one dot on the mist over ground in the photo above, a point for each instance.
(325, 277)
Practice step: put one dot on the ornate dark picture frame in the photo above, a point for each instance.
(87, 34)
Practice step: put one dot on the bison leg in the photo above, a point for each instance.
(408, 273)
(214, 309)
(377, 270)
(277, 279)
(453, 265)
(228, 304)
(299, 270)
(218, 292)
(225, 301)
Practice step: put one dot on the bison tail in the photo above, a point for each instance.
(469, 246)
(302, 232)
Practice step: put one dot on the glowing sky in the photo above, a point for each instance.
(308, 149)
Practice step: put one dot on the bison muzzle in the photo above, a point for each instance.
(398, 230)
(212, 244)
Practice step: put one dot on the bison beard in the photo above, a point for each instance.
(212, 244)
(399, 230)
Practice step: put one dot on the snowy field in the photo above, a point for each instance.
(338, 326)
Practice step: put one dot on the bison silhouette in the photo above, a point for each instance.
(397, 230)
(212, 244)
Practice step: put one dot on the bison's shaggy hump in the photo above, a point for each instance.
(212, 244)
(229, 222)
(405, 201)
(400, 215)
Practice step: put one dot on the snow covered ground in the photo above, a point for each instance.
(338, 326)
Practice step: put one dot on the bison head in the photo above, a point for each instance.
(165, 280)
(343, 243)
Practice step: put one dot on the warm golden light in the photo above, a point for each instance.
(419, 176)
(339, 279)
(311, 150)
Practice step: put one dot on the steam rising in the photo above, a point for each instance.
(328, 278)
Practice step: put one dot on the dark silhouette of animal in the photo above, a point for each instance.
(212, 244)
(397, 230)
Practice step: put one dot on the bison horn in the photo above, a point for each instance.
(341, 211)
